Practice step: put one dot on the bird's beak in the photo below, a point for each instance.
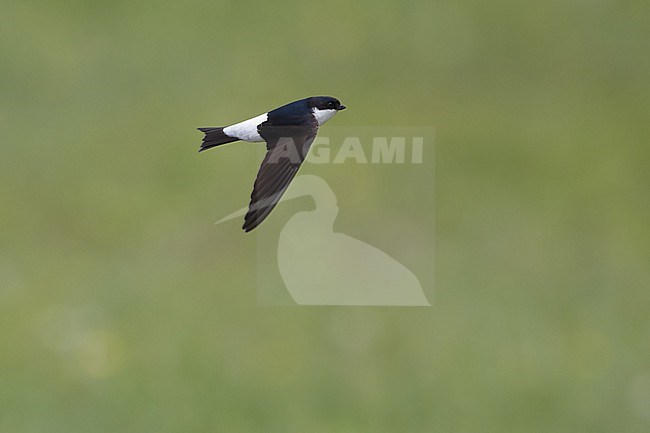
(341, 107)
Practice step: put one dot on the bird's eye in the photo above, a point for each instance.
(331, 104)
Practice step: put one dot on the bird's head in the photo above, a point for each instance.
(326, 103)
(324, 107)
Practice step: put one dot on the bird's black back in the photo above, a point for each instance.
(294, 113)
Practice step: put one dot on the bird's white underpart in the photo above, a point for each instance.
(323, 116)
(246, 130)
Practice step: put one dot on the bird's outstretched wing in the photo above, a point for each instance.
(286, 149)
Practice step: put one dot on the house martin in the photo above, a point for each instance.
(288, 132)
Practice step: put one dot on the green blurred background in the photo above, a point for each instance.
(124, 309)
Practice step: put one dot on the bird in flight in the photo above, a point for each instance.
(288, 132)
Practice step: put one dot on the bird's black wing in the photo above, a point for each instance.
(286, 149)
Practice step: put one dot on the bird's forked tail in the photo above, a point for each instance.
(214, 137)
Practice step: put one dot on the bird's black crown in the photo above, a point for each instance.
(325, 103)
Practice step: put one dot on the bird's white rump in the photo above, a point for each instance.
(246, 130)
